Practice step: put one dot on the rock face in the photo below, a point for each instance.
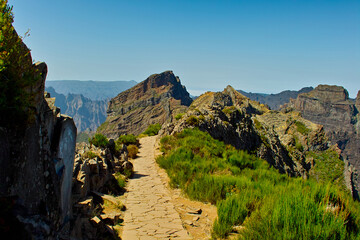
(36, 163)
(331, 107)
(87, 114)
(155, 100)
(274, 101)
(233, 118)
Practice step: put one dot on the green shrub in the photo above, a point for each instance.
(133, 151)
(179, 116)
(153, 129)
(229, 109)
(121, 180)
(192, 120)
(99, 140)
(90, 155)
(127, 139)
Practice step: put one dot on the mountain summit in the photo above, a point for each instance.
(154, 100)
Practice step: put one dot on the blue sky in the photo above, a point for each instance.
(258, 46)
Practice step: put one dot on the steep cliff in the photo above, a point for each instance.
(331, 107)
(87, 114)
(154, 100)
(287, 141)
(37, 146)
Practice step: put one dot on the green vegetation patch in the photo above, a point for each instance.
(251, 194)
(328, 167)
(302, 128)
(192, 120)
(179, 116)
(90, 155)
(133, 151)
(99, 140)
(229, 109)
(127, 139)
(153, 129)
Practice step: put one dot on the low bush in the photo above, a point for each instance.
(127, 139)
(192, 121)
(121, 180)
(179, 116)
(99, 140)
(153, 129)
(133, 151)
(90, 155)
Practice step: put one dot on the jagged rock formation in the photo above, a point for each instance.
(154, 100)
(274, 136)
(274, 101)
(93, 175)
(36, 164)
(87, 114)
(94, 90)
(331, 107)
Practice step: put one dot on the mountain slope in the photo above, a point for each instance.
(286, 141)
(154, 100)
(331, 107)
(95, 90)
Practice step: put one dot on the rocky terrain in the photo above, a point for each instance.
(36, 159)
(97, 210)
(285, 140)
(87, 114)
(155, 100)
(274, 101)
(331, 107)
(94, 90)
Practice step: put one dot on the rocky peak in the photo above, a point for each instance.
(328, 93)
(154, 100)
(357, 101)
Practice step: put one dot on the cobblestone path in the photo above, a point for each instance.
(149, 212)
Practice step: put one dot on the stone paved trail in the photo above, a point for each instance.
(149, 212)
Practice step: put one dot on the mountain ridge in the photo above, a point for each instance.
(94, 90)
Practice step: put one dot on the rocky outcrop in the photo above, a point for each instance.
(36, 163)
(275, 101)
(155, 100)
(94, 177)
(87, 114)
(233, 118)
(331, 107)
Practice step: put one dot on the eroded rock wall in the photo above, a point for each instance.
(36, 163)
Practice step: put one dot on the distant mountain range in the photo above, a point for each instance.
(87, 114)
(94, 90)
(274, 101)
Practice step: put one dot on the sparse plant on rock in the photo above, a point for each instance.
(192, 120)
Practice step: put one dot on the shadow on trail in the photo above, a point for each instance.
(138, 175)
